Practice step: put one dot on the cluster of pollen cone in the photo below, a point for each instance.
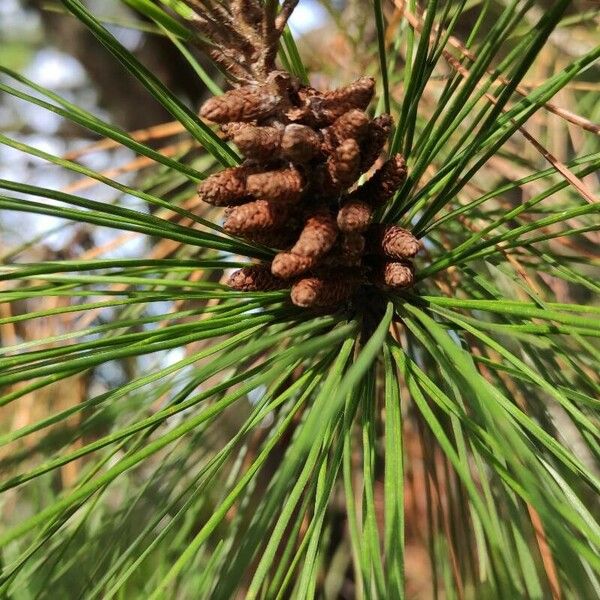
(297, 191)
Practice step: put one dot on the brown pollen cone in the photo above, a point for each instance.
(259, 215)
(305, 149)
(353, 124)
(358, 94)
(374, 141)
(242, 104)
(259, 143)
(393, 242)
(287, 265)
(294, 142)
(299, 143)
(354, 216)
(343, 167)
(226, 187)
(324, 291)
(395, 275)
(326, 107)
(384, 183)
(348, 252)
(282, 185)
(273, 238)
(256, 278)
(318, 235)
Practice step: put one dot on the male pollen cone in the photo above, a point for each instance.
(396, 275)
(226, 187)
(344, 165)
(260, 143)
(259, 215)
(304, 151)
(299, 143)
(357, 94)
(325, 108)
(323, 292)
(393, 242)
(353, 244)
(384, 183)
(273, 238)
(374, 141)
(256, 278)
(241, 104)
(287, 265)
(354, 216)
(318, 235)
(283, 185)
(353, 124)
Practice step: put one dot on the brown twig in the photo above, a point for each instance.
(284, 14)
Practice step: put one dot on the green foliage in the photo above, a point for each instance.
(272, 455)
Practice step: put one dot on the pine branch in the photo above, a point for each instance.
(286, 11)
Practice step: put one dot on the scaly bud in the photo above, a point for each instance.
(393, 242)
(260, 215)
(256, 278)
(246, 103)
(282, 185)
(354, 216)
